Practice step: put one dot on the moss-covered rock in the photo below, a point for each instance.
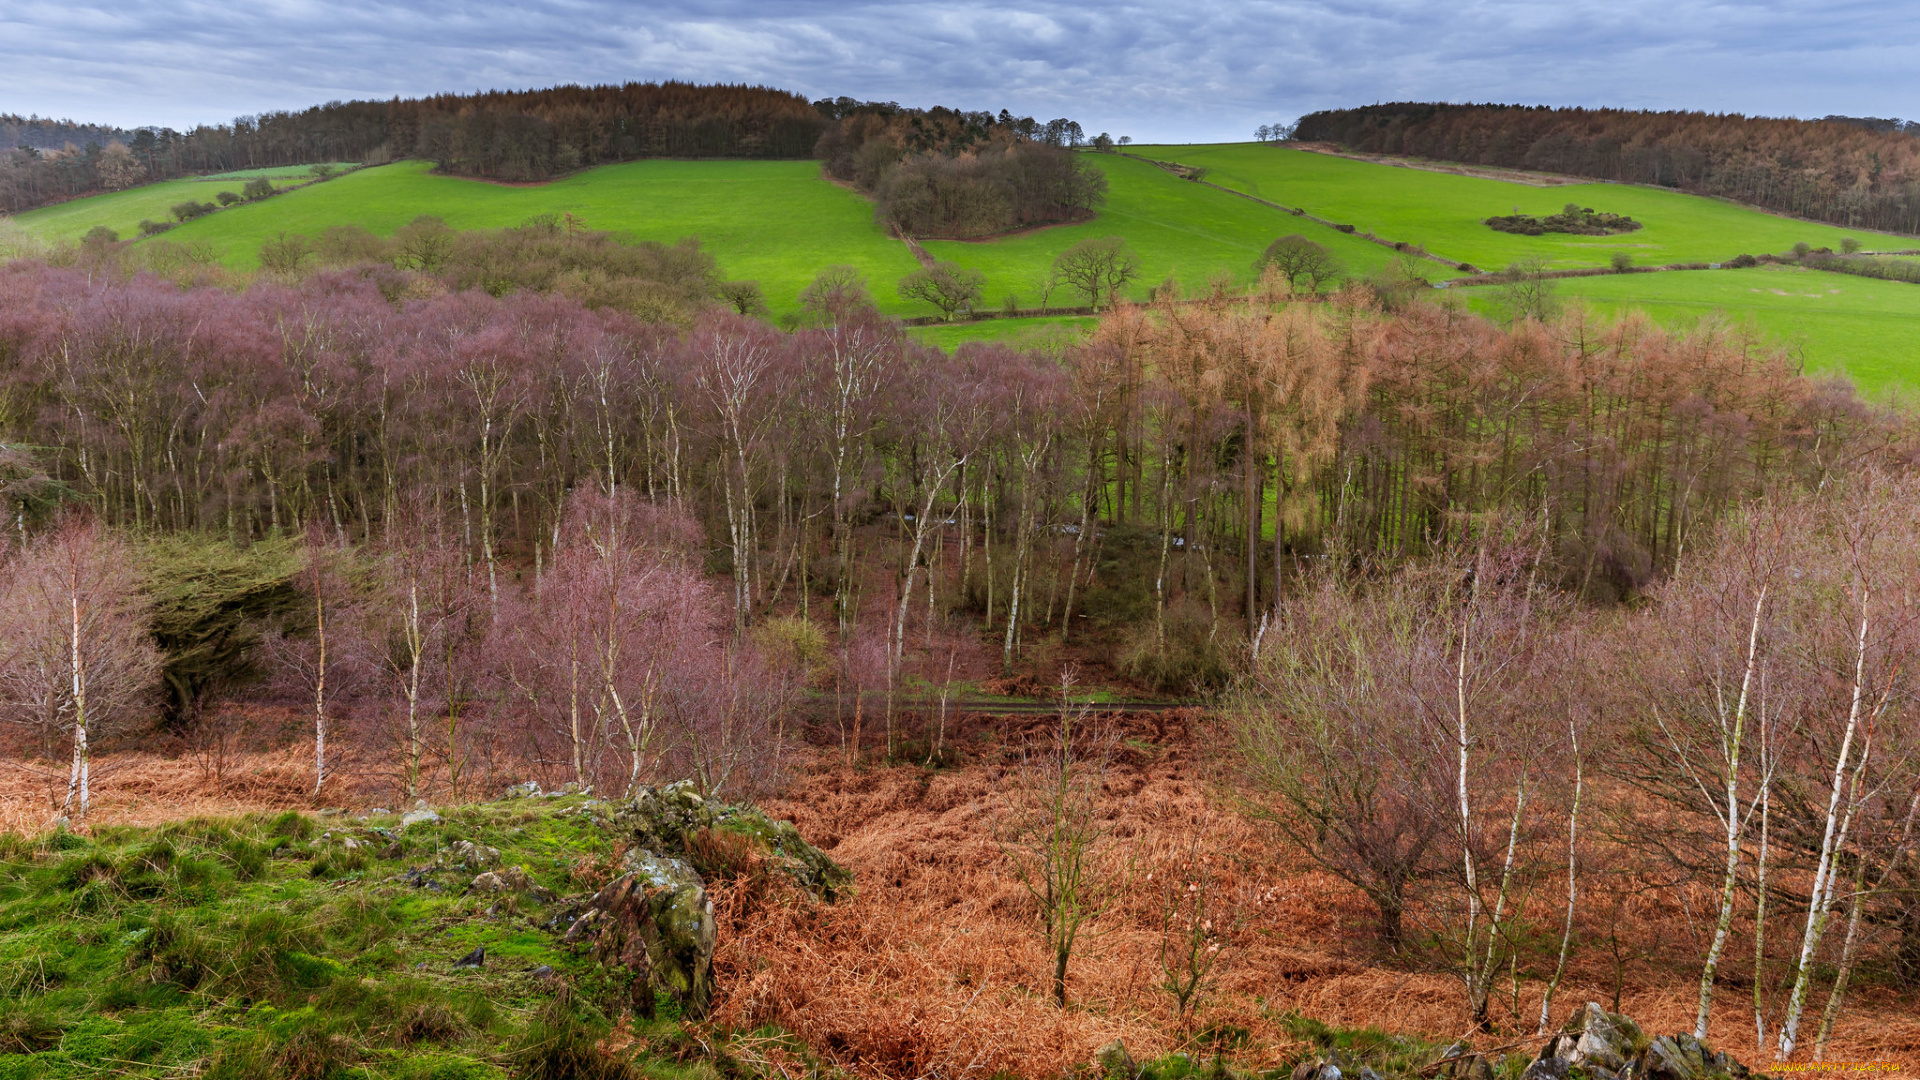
(656, 920)
(667, 820)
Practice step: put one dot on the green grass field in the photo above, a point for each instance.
(1178, 228)
(1444, 211)
(780, 222)
(1012, 331)
(1868, 329)
(122, 211)
(773, 221)
(275, 172)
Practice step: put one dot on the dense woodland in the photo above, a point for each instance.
(502, 135)
(948, 173)
(1840, 170)
(46, 133)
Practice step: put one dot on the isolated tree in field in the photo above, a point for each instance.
(1526, 292)
(1097, 267)
(744, 297)
(1297, 258)
(76, 658)
(834, 295)
(947, 286)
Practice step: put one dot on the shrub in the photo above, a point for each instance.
(258, 188)
(154, 228)
(1850, 245)
(1741, 262)
(100, 234)
(228, 198)
(1577, 220)
(285, 253)
(1344, 228)
(1621, 262)
(187, 211)
(1190, 660)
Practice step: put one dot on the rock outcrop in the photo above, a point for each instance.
(656, 919)
(1594, 1045)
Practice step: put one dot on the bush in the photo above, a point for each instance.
(285, 253)
(1190, 661)
(228, 198)
(1850, 245)
(1344, 228)
(187, 211)
(100, 235)
(1621, 262)
(154, 228)
(258, 188)
(1574, 219)
(1741, 262)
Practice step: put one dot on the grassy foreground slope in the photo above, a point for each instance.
(294, 946)
(1445, 211)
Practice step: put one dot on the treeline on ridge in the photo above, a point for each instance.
(501, 135)
(1839, 171)
(955, 174)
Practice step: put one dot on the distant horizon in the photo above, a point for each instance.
(1206, 71)
(1247, 136)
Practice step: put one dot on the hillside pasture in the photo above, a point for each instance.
(122, 211)
(1866, 329)
(1445, 211)
(772, 221)
(1177, 228)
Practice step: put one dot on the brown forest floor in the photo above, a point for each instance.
(934, 964)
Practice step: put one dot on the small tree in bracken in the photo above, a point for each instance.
(1062, 848)
(76, 658)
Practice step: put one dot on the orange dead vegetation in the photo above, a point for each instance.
(936, 965)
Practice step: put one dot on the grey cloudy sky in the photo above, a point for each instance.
(1179, 70)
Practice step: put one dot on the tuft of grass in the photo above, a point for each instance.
(564, 1044)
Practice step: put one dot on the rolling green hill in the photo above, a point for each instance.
(781, 222)
(1444, 211)
(778, 222)
(122, 211)
(1179, 229)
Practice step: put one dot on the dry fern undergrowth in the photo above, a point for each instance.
(935, 966)
(147, 789)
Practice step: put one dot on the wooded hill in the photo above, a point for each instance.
(500, 135)
(1828, 170)
(956, 174)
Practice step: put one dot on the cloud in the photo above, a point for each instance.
(1194, 71)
